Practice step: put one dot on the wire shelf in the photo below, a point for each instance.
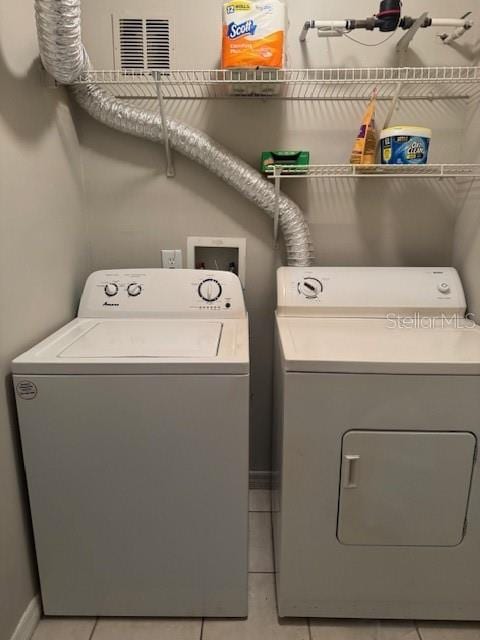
(417, 83)
(325, 171)
(376, 171)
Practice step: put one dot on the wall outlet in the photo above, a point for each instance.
(172, 259)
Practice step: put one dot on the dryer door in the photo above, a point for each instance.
(405, 488)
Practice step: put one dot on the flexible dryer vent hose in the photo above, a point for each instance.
(64, 57)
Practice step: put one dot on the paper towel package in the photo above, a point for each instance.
(254, 34)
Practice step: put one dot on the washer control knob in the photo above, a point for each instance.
(444, 287)
(134, 289)
(111, 289)
(210, 290)
(311, 288)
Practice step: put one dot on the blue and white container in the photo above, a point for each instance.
(405, 145)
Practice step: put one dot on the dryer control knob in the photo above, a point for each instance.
(310, 288)
(444, 287)
(111, 289)
(134, 289)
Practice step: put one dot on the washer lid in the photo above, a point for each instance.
(147, 339)
(404, 346)
(141, 346)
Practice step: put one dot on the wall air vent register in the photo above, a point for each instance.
(142, 42)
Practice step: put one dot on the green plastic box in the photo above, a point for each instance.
(298, 159)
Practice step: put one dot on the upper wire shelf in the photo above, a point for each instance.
(417, 83)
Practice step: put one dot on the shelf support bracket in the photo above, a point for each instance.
(404, 42)
(166, 133)
(277, 174)
(393, 105)
(47, 80)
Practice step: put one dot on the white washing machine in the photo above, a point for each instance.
(377, 419)
(134, 422)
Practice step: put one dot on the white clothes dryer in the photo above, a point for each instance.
(377, 420)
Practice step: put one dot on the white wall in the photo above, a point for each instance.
(135, 211)
(43, 261)
(466, 250)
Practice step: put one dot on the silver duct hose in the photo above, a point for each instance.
(60, 38)
(64, 57)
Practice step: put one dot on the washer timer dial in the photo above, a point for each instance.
(134, 289)
(210, 290)
(311, 288)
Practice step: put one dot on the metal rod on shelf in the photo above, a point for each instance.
(277, 174)
(166, 135)
(347, 171)
(393, 105)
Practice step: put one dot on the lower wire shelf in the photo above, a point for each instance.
(325, 171)
(349, 171)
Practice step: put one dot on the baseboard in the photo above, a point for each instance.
(29, 621)
(260, 479)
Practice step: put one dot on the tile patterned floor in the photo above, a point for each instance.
(362, 630)
(262, 623)
(260, 556)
